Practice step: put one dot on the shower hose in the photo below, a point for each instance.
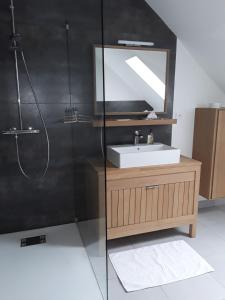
(25, 174)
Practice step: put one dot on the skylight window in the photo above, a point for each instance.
(147, 75)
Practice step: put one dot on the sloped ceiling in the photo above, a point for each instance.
(200, 25)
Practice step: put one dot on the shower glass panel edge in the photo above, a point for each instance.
(92, 207)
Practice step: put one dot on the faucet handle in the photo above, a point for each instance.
(137, 132)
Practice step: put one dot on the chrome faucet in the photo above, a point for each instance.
(137, 137)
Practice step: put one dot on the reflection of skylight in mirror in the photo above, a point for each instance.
(147, 75)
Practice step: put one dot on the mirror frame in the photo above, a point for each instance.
(132, 48)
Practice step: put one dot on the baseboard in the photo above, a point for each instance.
(204, 203)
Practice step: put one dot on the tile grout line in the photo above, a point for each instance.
(218, 236)
(211, 228)
(220, 284)
(164, 292)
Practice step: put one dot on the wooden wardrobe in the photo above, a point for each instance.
(209, 148)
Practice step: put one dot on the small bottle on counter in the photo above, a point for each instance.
(150, 138)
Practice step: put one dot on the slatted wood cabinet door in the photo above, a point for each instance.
(131, 206)
(145, 204)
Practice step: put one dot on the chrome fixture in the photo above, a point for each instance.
(17, 50)
(135, 43)
(15, 131)
(137, 137)
(71, 114)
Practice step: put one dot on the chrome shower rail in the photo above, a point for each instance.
(14, 47)
(17, 49)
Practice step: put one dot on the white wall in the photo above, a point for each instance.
(193, 88)
(200, 24)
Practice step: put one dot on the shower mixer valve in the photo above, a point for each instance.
(15, 131)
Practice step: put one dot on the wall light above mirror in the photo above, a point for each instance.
(135, 79)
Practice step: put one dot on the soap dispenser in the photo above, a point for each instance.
(150, 138)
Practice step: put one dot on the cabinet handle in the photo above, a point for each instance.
(151, 187)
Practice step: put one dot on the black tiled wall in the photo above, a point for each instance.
(58, 198)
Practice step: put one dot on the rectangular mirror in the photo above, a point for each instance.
(135, 80)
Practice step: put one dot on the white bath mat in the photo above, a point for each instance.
(157, 265)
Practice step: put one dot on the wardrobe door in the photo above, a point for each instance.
(218, 190)
(204, 142)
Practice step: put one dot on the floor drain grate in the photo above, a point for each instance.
(34, 240)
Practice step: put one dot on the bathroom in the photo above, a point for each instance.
(63, 195)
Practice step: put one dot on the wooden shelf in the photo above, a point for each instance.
(123, 123)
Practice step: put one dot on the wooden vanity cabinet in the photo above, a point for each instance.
(209, 148)
(141, 200)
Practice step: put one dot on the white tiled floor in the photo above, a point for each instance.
(60, 269)
(57, 270)
(210, 243)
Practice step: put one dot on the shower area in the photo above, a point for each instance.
(52, 229)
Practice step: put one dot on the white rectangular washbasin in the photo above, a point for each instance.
(129, 156)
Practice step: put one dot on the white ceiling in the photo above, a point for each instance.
(200, 25)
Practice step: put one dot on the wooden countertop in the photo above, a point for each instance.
(114, 173)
